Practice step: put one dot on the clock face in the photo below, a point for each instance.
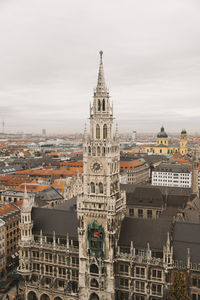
(96, 166)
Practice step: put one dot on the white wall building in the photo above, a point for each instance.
(170, 174)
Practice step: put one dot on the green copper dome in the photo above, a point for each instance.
(162, 133)
(183, 131)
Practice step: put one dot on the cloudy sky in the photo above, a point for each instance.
(49, 62)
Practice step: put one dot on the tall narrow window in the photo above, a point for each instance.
(101, 188)
(99, 105)
(103, 105)
(98, 131)
(98, 151)
(92, 187)
(105, 131)
(89, 150)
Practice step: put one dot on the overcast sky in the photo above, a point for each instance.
(49, 57)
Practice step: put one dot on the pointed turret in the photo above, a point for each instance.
(27, 205)
(101, 85)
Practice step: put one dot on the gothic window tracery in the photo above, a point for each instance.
(103, 105)
(99, 105)
(94, 269)
(105, 131)
(101, 188)
(89, 150)
(94, 283)
(92, 187)
(93, 151)
(97, 131)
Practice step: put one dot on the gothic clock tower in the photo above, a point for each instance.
(101, 207)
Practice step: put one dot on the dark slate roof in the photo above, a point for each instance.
(67, 205)
(143, 231)
(186, 235)
(145, 196)
(60, 221)
(173, 167)
(49, 194)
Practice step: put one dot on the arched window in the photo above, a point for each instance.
(98, 151)
(94, 283)
(92, 187)
(32, 296)
(99, 105)
(105, 131)
(101, 188)
(104, 151)
(94, 296)
(89, 150)
(94, 269)
(103, 105)
(98, 131)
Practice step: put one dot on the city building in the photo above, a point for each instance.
(137, 171)
(2, 249)
(163, 146)
(97, 251)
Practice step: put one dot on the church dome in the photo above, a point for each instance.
(162, 133)
(183, 131)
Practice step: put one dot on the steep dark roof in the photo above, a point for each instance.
(68, 205)
(145, 196)
(60, 221)
(143, 231)
(186, 235)
(173, 167)
(49, 194)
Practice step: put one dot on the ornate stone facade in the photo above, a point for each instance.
(98, 253)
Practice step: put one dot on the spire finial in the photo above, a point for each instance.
(101, 54)
(101, 86)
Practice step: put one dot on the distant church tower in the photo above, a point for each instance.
(183, 142)
(101, 207)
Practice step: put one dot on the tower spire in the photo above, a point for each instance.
(101, 85)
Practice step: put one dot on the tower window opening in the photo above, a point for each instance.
(98, 131)
(99, 105)
(89, 150)
(94, 269)
(103, 105)
(101, 188)
(94, 283)
(104, 151)
(98, 151)
(92, 187)
(104, 131)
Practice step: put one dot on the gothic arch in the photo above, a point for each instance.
(32, 296)
(92, 186)
(57, 298)
(105, 131)
(94, 283)
(104, 151)
(97, 131)
(94, 269)
(101, 188)
(44, 297)
(89, 150)
(103, 105)
(99, 105)
(94, 296)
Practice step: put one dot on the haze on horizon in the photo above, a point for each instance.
(49, 59)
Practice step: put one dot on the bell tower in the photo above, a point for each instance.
(101, 207)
